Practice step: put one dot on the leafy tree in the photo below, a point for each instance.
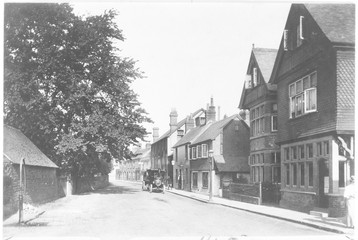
(67, 88)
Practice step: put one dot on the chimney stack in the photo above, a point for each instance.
(173, 119)
(210, 112)
(218, 113)
(155, 134)
(189, 123)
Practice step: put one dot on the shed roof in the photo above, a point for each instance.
(337, 21)
(18, 146)
(231, 164)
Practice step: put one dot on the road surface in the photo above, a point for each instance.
(124, 211)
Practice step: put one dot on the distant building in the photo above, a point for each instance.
(315, 76)
(40, 180)
(260, 98)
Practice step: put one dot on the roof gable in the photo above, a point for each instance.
(18, 146)
(214, 129)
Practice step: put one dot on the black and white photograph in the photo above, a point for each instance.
(169, 119)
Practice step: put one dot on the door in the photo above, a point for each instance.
(323, 176)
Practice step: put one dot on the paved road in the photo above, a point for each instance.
(124, 211)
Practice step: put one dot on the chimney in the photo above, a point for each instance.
(218, 113)
(155, 134)
(173, 119)
(189, 123)
(210, 112)
(245, 115)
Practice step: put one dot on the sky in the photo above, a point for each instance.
(190, 52)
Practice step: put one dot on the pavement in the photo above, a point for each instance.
(335, 225)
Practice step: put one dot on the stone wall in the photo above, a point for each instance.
(303, 202)
(337, 206)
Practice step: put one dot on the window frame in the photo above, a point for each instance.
(204, 153)
(207, 180)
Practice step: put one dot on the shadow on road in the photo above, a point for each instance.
(114, 189)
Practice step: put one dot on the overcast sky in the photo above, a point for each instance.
(192, 51)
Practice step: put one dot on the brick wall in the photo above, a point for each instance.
(297, 201)
(337, 206)
(42, 185)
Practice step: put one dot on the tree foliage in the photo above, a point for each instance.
(67, 88)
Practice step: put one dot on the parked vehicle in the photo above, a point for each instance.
(153, 180)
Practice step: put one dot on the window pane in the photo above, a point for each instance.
(299, 87)
(294, 174)
(274, 107)
(287, 174)
(310, 174)
(299, 107)
(274, 123)
(205, 180)
(306, 83)
(302, 152)
(302, 169)
(311, 100)
(310, 150)
(313, 77)
(294, 152)
(292, 90)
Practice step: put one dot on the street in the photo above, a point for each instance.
(124, 211)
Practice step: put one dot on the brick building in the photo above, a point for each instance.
(314, 72)
(259, 97)
(40, 182)
(161, 149)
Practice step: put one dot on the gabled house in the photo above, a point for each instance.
(40, 181)
(229, 141)
(161, 149)
(315, 76)
(259, 97)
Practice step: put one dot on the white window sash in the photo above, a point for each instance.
(204, 153)
(308, 100)
(273, 130)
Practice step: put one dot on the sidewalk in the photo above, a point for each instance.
(327, 224)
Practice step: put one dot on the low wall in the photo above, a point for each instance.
(249, 193)
(337, 206)
(90, 184)
(298, 201)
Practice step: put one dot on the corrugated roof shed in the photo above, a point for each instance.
(231, 164)
(337, 21)
(18, 146)
(214, 129)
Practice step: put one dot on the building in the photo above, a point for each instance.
(315, 76)
(229, 141)
(260, 98)
(40, 181)
(161, 149)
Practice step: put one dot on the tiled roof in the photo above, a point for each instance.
(191, 135)
(231, 164)
(265, 58)
(18, 146)
(214, 130)
(337, 21)
(179, 125)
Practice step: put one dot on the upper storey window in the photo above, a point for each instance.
(253, 79)
(303, 95)
(294, 37)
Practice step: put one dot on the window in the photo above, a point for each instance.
(262, 158)
(186, 152)
(310, 150)
(287, 174)
(326, 147)
(294, 169)
(254, 76)
(274, 107)
(193, 152)
(273, 123)
(319, 149)
(341, 181)
(302, 173)
(190, 153)
(176, 175)
(198, 151)
(180, 132)
(257, 120)
(310, 174)
(205, 179)
(205, 150)
(294, 152)
(302, 94)
(301, 151)
(287, 154)
(298, 40)
(195, 179)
